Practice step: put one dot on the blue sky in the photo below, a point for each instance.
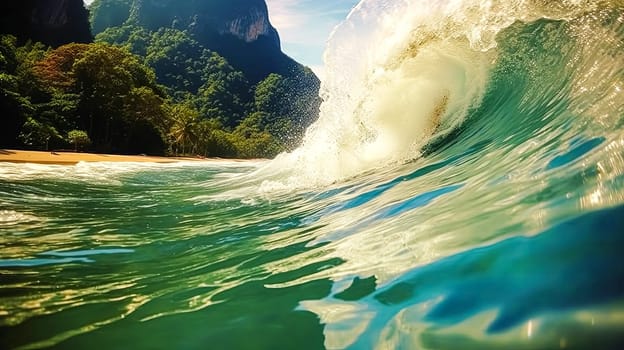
(304, 26)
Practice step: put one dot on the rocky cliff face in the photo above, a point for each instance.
(250, 25)
(239, 30)
(247, 20)
(53, 22)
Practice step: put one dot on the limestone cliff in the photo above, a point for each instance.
(239, 30)
(250, 25)
(247, 20)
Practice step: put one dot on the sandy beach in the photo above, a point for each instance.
(69, 158)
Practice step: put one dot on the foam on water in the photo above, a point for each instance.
(462, 189)
(401, 73)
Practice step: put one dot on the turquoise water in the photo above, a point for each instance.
(468, 193)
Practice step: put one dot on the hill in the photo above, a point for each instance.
(163, 76)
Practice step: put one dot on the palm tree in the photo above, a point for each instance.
(183, 131)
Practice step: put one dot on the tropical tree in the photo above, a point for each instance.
(116, 91)
(27, 57)
(144, 89)
(252, 141)
(35, 133)
(55, 70)
(224, 94)
(177, 59)
(183, 133)
(15, 106)
(79, 138)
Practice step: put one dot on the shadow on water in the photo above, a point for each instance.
(567, 267)
(575, 153)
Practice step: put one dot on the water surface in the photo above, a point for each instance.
(463, 189)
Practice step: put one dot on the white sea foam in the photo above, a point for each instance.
(101, 172)
(397, 74)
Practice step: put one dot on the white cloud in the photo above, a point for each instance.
(283, 14)
(307, 21)
(304, 26)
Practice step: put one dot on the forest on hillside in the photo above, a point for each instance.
(137, 89)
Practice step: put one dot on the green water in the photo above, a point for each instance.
(138, 258)
(503, 230)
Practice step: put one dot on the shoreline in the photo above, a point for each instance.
(72, 158)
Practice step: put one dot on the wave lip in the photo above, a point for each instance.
(401, 73)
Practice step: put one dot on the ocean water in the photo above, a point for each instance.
(462, 189)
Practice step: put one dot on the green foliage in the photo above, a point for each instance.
(286, 106)
(214, 141)
(108, 13)
(135, 39)
(224, 95)
(183, 131)
(213, 97)
(120, 97)
(8, 59)
(177, 59)
(78, 138)
(27, 57)
(252, 141)
(222, 98)
(54, 71)
(100, 88)
(151, 85)
(39, 134)
(16, 107)
(224, 145)
(269, 94)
